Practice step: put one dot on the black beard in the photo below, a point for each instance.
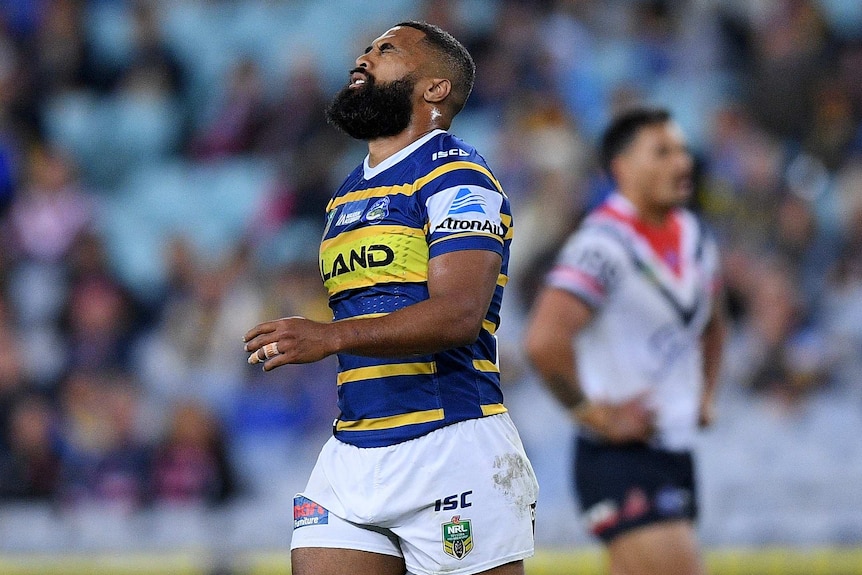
(373, 111)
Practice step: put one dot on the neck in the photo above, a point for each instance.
(382, 148)
(650, 213)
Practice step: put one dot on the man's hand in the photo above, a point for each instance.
(287, 340)
(627, 422)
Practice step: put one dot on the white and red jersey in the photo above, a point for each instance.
(652, 291)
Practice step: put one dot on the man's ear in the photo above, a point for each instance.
(438, 90)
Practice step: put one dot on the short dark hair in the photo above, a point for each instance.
(624, 128)
(455, 57)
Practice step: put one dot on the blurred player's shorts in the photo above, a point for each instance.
(621, 487)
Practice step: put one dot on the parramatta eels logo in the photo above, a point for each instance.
(457, 537)
(377, 211)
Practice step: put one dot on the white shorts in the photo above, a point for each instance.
(458, 500)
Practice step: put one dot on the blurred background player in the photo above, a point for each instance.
(425, 472)
(636, 290)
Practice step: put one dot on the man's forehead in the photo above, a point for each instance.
(391, 33)
(664, 130)
(405, 34)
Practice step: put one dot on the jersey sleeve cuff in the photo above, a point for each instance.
(465, 242)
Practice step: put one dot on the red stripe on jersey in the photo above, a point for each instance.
(665, 240)
(578, 279)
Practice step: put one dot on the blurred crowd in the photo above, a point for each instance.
(130, 392)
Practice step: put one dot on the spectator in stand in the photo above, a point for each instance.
(63, 56)
(832, 131)
(152, 65)
(190, 352)
(238, 119)
(790, 59)
(781, 353)
(30, 465)
(13, 380)
(10, 144)
(808, 249)
(191, 466)
(51, 210)
(105, 460)
(47, 216)
(742, 178)
(842, 299)
(297, 115)
(98, 325)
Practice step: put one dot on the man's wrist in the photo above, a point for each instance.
(579, 407)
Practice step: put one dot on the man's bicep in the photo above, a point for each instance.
(465, 274)
(556, 318)
(560, 314)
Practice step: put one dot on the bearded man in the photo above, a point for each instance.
(425, 472)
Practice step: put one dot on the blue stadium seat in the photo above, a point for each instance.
(209, 203)
(73, 123)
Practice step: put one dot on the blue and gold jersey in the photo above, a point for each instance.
(382, 226)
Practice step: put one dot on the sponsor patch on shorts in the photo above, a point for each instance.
(673, 500)
(306, 512)
(636, 505)
(602, 516)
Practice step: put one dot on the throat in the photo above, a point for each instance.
(665, 239)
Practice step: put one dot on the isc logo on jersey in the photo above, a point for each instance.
(447, 153)
(465, 209)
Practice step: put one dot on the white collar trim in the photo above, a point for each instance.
(623, 204)
(369, 172)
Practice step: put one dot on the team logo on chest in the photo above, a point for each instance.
(457, 537)
(377, 211)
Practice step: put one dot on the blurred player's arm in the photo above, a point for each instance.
(557, 318)
(712, 342)
(460, 286)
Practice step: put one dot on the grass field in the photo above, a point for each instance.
(772, 561)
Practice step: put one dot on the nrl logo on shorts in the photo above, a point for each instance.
(457, 537)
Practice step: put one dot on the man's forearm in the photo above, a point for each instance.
(557, 370)
(713, 348)
(426, 327)
(557, 317)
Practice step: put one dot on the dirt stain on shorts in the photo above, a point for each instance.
(516, 480)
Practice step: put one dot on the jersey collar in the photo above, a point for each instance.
(369, 172)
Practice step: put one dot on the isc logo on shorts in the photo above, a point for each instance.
(307, 512)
